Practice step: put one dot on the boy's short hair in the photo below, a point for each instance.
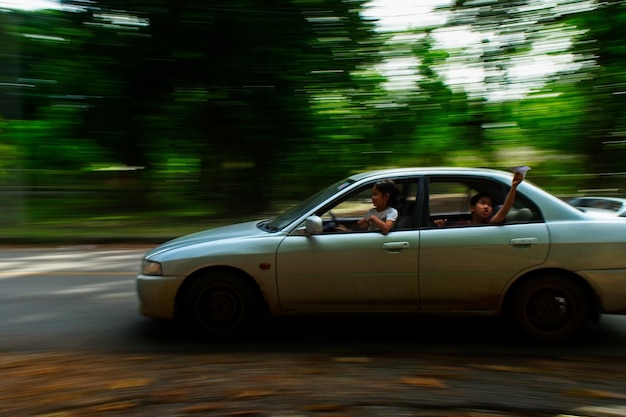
(478, 196)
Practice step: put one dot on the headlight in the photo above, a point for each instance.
(151, 268)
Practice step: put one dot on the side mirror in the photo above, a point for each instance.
(314, 225)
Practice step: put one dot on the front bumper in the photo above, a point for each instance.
(157, 295)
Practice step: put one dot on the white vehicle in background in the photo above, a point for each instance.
(600, 206)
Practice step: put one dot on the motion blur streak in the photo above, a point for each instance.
(118, 116)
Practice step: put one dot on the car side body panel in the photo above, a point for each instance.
(610, 288)
(240, 247)
(467, 268)
(588, 245)
(349, 272)
(596, 251)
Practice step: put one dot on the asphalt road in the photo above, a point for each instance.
(73, 343)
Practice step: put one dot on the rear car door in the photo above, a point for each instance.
(467, 268)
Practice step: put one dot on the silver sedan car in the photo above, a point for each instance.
(548, 267)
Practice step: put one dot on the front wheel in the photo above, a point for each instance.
(550, 309)
(221, 306)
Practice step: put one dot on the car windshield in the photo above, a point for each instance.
(280, 222)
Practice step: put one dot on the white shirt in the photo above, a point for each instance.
(389, 213)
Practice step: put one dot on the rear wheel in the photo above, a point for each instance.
(221, 306)
(550, 308)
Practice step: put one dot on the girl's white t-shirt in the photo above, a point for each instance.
(389, 213)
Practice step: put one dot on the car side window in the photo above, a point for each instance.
(450, 199)
(346, 213)
(523, 211)
(351, 209)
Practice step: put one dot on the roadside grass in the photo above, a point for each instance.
(92, 219)
(148, 227)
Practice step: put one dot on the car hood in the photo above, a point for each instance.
(240, 230)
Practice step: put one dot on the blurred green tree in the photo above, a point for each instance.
(601, 51)
(227, 83)
(222, 103)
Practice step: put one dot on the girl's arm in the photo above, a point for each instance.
(383, 226)
(363, 223)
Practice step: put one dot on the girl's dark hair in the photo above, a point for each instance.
(388, 187)
(478, 196)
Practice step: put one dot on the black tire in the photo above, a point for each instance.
(222, 306)
(550, 309)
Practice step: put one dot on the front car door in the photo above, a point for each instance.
(351, 271)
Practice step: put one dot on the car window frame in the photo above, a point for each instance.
(399, 180)
(495, 187)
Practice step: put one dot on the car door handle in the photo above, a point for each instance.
(523, 241)
(395, 246)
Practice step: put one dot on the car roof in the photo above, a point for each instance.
(390, 172)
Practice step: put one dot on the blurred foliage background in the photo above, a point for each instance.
(183, 111)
